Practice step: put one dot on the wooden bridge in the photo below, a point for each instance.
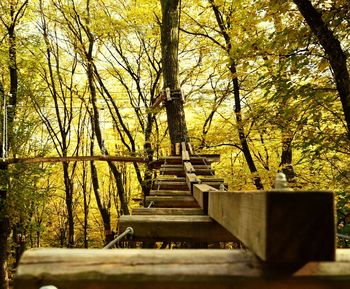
(290, 236)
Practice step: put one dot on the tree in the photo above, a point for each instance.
(15, 12)
(174, 98)
(332, 47)
(224, 27)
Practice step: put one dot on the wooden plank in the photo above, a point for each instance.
(172, 269)
(180, 171)
(211, 180)
(183, 146)
(190, 149)
(167, 211)
(170, 179)
(175, 227)
(216, 185)
(171, 201)
(34, 160)
(279, 226)
(189, 168)
(199, 159)
(191, 179)
(178, 148)
(185, 156)
(200, 194)
(180, 166)
(171, 185)
(169, 193)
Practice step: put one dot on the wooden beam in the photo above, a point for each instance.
(199, 159)
(171, 201)
(200, 194)
(170, 185)
(175, 228)
(185, 156)
(180, 166)
(279, 226)
(34, 160)
(169, 193)
(190, 149)
(191, 179)
(180, 171)
(167, 211)
(183, 146)
(189, 168)
(172, 269)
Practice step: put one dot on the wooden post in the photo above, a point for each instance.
(200, 193)
(279, 226)
(191, 179)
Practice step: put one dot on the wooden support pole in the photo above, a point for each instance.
(279, 226)
(172, 269)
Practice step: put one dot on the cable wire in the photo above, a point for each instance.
(128, 231)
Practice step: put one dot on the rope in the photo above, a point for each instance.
(128, 231)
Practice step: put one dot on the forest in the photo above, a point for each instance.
(265, 84)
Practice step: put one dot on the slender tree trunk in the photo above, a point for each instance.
(104, 211)
(170, 45)
(69, 204)
(332, 47)
(242, 137)
(286, 156)
(96, 118)
(86, 205)
(4, 227)
(4, 180)
(236, 92)
(97, 130)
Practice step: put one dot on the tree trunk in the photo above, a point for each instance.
(86, 205)
(242, 137)
(236, 92)
(96, 119)
(4, 180)
(170, 45)
(105, 213)
(333, 49)
(69, 204)
(286, 156)
(4, 227)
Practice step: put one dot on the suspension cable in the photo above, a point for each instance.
(128, 231)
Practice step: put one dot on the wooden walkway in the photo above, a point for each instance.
(290, 236)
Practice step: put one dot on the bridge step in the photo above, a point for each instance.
(182, 185)
(160, 185)
(180, 172)
(175, 228)
(171, 166)
(167, 211)
(169, 193)
(172, 201)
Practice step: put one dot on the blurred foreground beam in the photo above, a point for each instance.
(173, 269)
